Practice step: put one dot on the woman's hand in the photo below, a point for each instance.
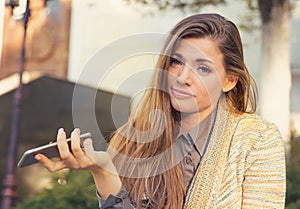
(75, 158)
(99, 163)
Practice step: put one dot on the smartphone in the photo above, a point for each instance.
(49, 150)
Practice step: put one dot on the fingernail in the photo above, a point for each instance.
(61, 130)
(37, 157)
(77, 130)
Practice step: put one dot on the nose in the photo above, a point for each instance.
(184, 76)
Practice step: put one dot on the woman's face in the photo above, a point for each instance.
(197, 76)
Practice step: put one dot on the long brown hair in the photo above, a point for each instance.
(163, 185)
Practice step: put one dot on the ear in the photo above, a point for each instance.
(230, 83)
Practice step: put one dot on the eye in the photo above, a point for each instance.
(175, 62)
(204, 69)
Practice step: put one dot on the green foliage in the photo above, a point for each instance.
(76, 191)
(252, 4)
(293, 187)
(79, 192)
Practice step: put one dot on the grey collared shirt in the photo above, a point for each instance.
(189, 149)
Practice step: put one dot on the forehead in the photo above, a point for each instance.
(199, 48)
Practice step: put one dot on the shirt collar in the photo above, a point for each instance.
(199, 135)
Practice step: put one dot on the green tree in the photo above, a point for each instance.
(293, 187)
(76, 190)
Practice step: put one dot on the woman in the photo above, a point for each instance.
(195, 141)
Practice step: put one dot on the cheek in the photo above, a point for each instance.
(209, 88)
(171, 75)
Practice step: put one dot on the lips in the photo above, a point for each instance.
(181, 94)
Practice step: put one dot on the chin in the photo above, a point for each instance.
(184, 109)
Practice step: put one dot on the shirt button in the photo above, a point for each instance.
(188, 160)
(118, 200)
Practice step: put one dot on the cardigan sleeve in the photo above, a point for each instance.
(264, 184)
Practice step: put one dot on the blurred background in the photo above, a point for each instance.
(63, 38)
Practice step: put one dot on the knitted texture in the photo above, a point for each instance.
(244, 165)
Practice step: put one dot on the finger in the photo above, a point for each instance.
(48, 164)
(61, 139)
(64, 150)
(101, 158)
(89, 149)
(75, 144)
(92, 154)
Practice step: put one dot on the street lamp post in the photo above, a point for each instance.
(9, 184)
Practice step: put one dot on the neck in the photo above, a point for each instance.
(190, 120)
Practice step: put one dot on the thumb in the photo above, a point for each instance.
(101, 158)
(88, 144)
(88, 148)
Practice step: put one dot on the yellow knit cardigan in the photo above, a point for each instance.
(244, 165)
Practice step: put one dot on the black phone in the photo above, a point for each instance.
(49, 150)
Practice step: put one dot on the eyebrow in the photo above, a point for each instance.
(197, 60)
